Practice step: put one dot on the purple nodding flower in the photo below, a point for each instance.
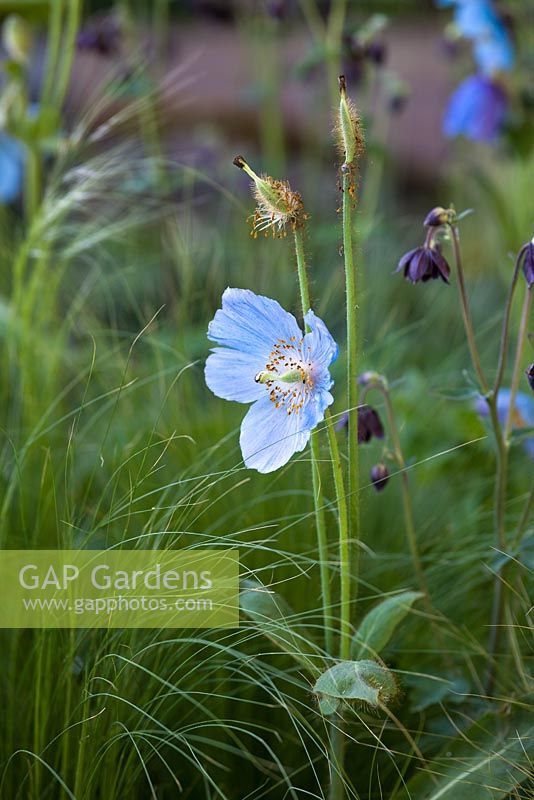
(528, 264)
(477, 109)
(423, 264)
(529, 372)
(379, 476)
(369, 424)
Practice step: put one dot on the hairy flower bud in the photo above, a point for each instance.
(348, 127)
(379, 476)
(278, 205)
(17, 38)
(371, 378)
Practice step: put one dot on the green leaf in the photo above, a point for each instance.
(365, 681)
(379, 625)
(485, 762)
(272, 614)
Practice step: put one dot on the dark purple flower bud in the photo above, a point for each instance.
(529, 372)
(101, 34)
(375, 52)
(528, 264)
(437, 217)
(424, 264)
(379, 476)
(369, 424)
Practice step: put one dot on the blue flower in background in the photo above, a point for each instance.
(477, 20)
(11, 168)
(477, 109)
(523, 416)
(267, 361)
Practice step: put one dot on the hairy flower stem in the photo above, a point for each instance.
(322, 541)
(501, 477)
(337, 742)
(352, 381)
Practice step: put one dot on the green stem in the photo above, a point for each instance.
(409, 523)
(516, 373)
(74, 9)
(501, 477)
(338, 746)
(320, 524)
(52, 50)
(503, 350)
(500, 585)
(466, 313)
(32, 187)
(352, 379)
(344, 542)
(337, 742)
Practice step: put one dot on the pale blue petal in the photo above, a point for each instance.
(230, 375)
(252, 323)
(323, 350)
(270, 436)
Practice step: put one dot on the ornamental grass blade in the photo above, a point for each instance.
(273, 617)
(488, 761)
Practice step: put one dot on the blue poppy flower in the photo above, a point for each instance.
(477, 109)
(11, 168)
(267, 361)
(523, 416)
(478, 20)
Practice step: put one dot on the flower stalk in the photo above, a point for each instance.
(351, 145)
(320, 524)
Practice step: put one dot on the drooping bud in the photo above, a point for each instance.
(17, 38)
(371, 378)
(348, 128)
(528, 264)
(369, 424)
(438, 216)
(529, 372)
(278, 205)
(379, 476)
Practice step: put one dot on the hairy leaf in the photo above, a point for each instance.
(365, 681)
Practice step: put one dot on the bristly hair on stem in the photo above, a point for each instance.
(278, 206)
(349, 136)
